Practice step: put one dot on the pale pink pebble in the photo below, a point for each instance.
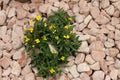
(70, 63)
(101, 37)
(103, 12)
(109, 43)
(93, 31)
(107, 77)
(113, 52)
(116, 13)
(110, 10)
(117, 34)
(43, 8)
(98, 55)
(6, 72)
(73, 71)
(29, 76)
(76, 8)
(111, 35)
(0, 72)
(89, 59)
(105, 3)
(57, 4)
(114, 74)
(50, 9)
(16, 69)
(104, 30)
(26, 7)
(94, 12)
(117, 44)
(103, 21)
(6, 38)
(93, 24)
(3, 17)
(79, 58)
(117, 4)
(95, 66)
(63, 77)
(84, 76)
(70, 12)
(21, 13)
(98, 75)
(103, 66)
(39, 78)
(96, 45)
(115, 21)
(3, 30)
(64, 5)
(11, 22)
(5, 62)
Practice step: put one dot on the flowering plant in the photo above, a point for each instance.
(50, 42)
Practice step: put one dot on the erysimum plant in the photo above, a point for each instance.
(50, 42)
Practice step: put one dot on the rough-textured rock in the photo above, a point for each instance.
(21, 13)
(6, 72)
(98, 55)
(11, 12)
(89, 59)
(95, 66)
(5, 62)
(83, 37)
(98, 75)
(113, 52)
(117, 5)
(117, 34)
(105, 3)
(73, 71)
(94, 12)
(110, 10)
(83, 67)
(29, 76)
(113, 74)
(79, 58)
(16, 69)
(26, 70)
(103, 65)
(18, 54)
(3, 17)
(23, 60)
(84, 47)
(79, 18)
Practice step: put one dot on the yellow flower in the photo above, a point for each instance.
(56, 37)
(25, 29)
(54, 31)
(24, 37)
(51, 27)
(66, 27)
(33, 46)
(37, 40)
(71, 32)
(66, 36)
(52, 51)
(31, 22)
(38, 17)
(27, 40)
(70, 19)
(31, 29)
(45, 24)
(62, 58)
(44, 38)
(52, 70)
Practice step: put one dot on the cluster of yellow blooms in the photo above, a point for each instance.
(52, 27)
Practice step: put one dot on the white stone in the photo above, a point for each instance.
(110, 10)
(113, 74)
(83, 37)
(110, 43)
(2, 17)
(87, 19)
(117, 64)
(117, 5)
(79, 18)
(29, 76)
(83, 67)
(105, 3)
(95, 66)
(93, 24)
(76, 8)
(98, 75)
(3, 30)
(89, 59)
(26, 70)
(73, 71)
(18, 54)
(84, 76)
(6, 72)
(79, 58)
(11, 12)
(84, 47)
(16, 69)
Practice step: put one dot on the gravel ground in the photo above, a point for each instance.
(97, 25)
